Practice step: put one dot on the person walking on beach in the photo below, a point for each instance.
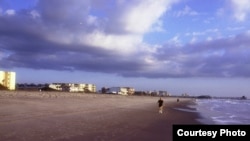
(160, 104)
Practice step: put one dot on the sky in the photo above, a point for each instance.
(180, 46)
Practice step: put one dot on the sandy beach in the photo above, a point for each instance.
(58, 116)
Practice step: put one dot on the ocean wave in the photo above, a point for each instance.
(225, 111)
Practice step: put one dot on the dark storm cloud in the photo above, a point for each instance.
(24, 41)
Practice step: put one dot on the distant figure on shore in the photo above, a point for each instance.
(178, 99)
(160, 104)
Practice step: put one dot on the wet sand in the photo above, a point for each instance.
(55, 116)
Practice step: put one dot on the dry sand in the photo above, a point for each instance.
(54, 116)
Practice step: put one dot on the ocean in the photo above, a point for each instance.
(223, 111)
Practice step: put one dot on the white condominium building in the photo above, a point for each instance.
(73, 87)
(8, 79)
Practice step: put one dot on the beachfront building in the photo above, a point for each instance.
(121, 90)
(74, 87)
(164, 93)
(8, 79)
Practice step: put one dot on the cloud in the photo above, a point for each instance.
(241, 9)
(187, 11)
(63, 12)
(37, 37)
(34, 14)
(118, 43)
(77, 35)
(215, 58)
(140, 17)
(202, 33)
(10, 12)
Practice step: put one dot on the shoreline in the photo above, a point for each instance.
(72, 116)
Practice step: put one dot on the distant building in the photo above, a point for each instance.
(74, 87)
(163, 93)
(121, 90)
(185, 95)
(8, 79)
